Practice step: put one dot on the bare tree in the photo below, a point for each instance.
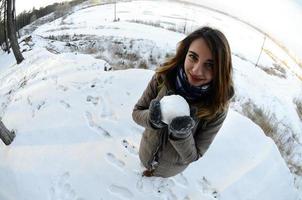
(3, 9)
(12, 31)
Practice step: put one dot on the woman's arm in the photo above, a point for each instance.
(140, 113)
(193, 147)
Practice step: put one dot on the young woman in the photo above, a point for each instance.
(201, 72)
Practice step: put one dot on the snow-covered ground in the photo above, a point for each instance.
(75, 135)
(76, 140)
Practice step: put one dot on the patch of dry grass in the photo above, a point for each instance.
(150, 23)
(262, 118)
(276, 70)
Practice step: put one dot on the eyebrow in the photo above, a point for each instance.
(195, 54)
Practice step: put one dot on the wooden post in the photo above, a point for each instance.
(115, 11)
(260, 51)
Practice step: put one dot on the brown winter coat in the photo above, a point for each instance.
(175, 155)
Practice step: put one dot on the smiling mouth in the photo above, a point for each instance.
(195, 78)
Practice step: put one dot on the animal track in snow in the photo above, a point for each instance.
(115, 161)
(62, 190)
(92, 123)
(131, 148)
(121, 191)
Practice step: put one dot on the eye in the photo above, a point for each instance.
(193, 57)
(209, 65)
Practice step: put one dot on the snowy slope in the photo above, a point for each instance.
(76, 140)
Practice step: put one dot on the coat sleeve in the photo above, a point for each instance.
(193, 147)
(140, 113)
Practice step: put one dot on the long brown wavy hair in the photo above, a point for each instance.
(222, 87)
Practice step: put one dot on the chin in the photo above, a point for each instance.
(197, 84)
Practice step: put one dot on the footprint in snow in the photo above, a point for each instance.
(108, 80)
(8, 99)
(23, 82)
(65, 104)
(62, 189)
(35, 107)
(121, 192)
(156, 185)
(54, 78)
(93, 100)
(106, 109)
(40, 105)
(187, 198)
(17, 98)
(115, 161)
(164, 185)
(94, 125)
(207, 188)
(144, 184)
(79, 85)
(181, 179)
(131, 148)
(171, 195)
(62, 88)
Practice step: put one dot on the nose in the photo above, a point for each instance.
(197, 69)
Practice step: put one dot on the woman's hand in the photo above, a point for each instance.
(181, 127)
(155, 114)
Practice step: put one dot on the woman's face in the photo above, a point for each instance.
(199, 63)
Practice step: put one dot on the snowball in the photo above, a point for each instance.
(173, 106)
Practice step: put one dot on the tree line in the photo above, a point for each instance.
(27, 17)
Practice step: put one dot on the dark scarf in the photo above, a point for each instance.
(189, 92)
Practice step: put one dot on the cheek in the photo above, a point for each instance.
(187, 65)
(210, 75)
